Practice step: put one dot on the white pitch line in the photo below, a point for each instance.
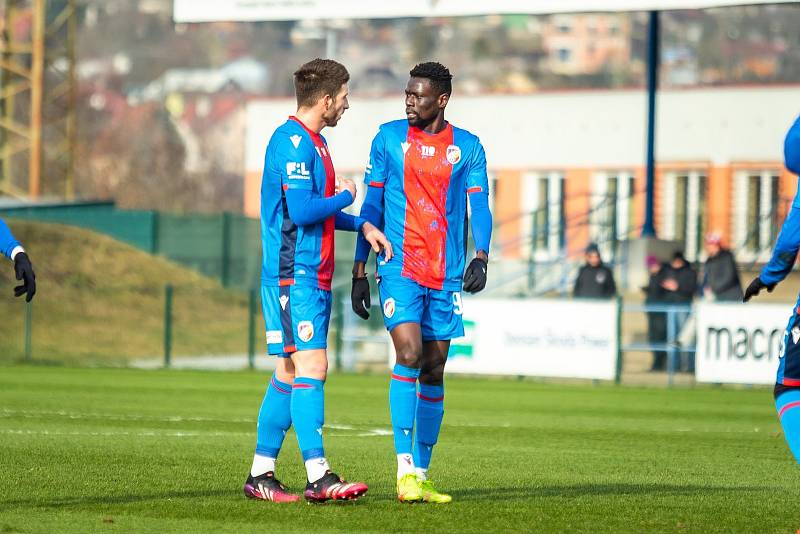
(148, 433)
(29, 414)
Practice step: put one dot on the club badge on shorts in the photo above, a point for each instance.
(388, 308)
(453, 154)
(305, 331)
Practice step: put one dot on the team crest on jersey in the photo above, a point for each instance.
(388, 308)
(295, 139)
(305, 331)
(453, 154)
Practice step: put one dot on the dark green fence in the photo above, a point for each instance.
(224, 246)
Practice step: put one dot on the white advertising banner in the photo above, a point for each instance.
(547, 338)
(265, 10)
(739, 343)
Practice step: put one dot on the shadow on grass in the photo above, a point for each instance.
(594, 490)
(90, 500)
(463, 495)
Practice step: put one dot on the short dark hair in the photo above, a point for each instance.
(438, 74)
(317, 78)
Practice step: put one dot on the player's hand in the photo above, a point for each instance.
(755, 288)
(475, 276)
(378, 241)
(24, 272)
(359, 296)
(346, 184)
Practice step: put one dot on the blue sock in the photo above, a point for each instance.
(788, 406)
(430, 410)
(274, 418)
(308, 415)
(403, 406)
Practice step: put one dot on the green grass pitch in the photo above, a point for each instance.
(106, 450)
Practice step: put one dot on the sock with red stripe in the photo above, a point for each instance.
(274, 420)
(403, 406)
(308, 417)
(430, 411)
(788, 406)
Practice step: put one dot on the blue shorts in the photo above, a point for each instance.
(438, 312)
(296, 318)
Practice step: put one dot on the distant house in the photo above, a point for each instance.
(245, 75)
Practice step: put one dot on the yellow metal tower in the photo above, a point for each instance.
(37, 98)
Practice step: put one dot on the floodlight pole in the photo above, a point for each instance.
(653, 42)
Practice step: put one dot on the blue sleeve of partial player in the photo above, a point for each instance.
(7, 241)
(348, 223)
(305, 208)
(372, 211)
(786, 248)
(481, 220)
(791, 148)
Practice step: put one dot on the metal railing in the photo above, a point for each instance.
(677, 316)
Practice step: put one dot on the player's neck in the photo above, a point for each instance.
(437, 125)
(311, 119)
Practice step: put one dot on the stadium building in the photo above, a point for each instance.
(567, 167)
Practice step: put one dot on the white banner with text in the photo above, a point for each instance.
(739, 343)
(547, 338)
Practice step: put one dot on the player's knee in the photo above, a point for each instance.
(284, 370)
(432, 376)
(409, 355)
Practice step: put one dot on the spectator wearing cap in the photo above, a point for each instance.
(595, 280)
(720, 275)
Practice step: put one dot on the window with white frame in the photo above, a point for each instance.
(755, 203)
(544, 208)
(612, 209)
(684, 215)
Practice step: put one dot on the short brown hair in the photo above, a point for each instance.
(317, 78)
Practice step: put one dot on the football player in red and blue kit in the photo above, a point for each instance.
(300, 208)
(784, 256)
(421, 172)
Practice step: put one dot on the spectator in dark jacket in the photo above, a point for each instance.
(679, 281)
(720, 276)
(656, 321)
(595, 280)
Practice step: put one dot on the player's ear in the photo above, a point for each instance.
(444, 98)
(327, 102)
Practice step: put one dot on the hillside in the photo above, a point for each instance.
(101, 301)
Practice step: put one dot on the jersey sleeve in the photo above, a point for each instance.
(786, 248)
(478, 179)
(7, 242)
(375, 173)
(294, 161)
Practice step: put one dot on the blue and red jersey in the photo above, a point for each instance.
(296, 158)
(784, 256)
(425, 179)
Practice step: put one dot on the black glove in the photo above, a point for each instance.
(24, 271)
(359, 296)
(475, 276)
(755, 288)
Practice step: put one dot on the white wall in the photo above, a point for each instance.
(572, 129)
